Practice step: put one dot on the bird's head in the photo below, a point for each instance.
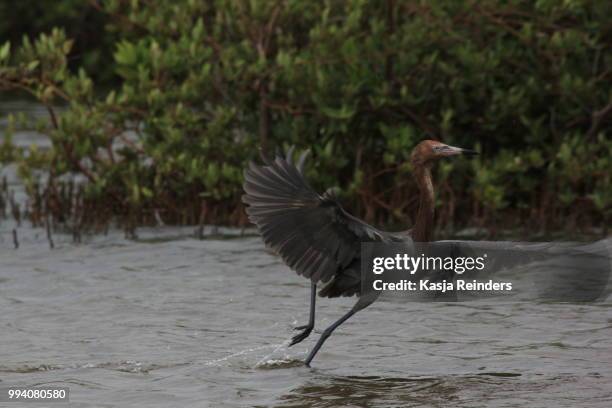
(429, 151)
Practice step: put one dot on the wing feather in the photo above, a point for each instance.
(313, 234)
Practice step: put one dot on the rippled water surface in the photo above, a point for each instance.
(169, 321)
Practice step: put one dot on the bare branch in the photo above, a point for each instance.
(597, 119)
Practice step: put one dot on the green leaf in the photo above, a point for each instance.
(32, 65)
(343, 113)
(5, 51)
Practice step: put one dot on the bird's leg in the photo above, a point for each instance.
(307, 329)
(328, 333)
(313, 299)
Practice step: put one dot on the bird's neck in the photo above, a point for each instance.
(423, 227)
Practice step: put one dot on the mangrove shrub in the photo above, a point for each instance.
(203, 85)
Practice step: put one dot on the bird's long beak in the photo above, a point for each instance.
(453, 151)
(469, 152)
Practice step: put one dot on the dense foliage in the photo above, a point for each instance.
(78, 18)
(204, 84)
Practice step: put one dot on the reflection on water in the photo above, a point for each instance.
(493, 389)
(333, 391)
(168, 320)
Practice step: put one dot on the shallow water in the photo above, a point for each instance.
(169, 320)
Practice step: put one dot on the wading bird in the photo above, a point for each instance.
(317, 238)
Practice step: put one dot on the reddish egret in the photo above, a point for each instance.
(317, 238)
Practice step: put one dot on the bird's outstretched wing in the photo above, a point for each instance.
(313, 234)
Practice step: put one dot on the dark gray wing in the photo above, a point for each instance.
(311, 232)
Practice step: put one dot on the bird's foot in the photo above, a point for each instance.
(306, 330)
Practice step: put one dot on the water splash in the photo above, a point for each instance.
(278, 347)
(281, 363)
(217, 362)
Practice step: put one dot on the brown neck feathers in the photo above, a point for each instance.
(423, 227)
